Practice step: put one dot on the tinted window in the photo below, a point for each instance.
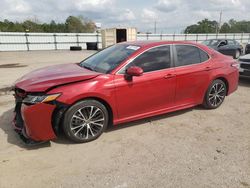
(154, 59)
(211, 42)
(236, 42)
(231, 42)
(203, 55)
(108, 59)
(187, 55)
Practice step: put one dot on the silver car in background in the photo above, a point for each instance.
(244, 65)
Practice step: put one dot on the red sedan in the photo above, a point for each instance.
(122, 83)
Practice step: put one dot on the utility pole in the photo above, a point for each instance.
(219, 24)
(155, 27)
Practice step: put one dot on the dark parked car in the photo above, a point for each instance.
(225, 46)
(122, 83)
(247, 49)
(245, 65)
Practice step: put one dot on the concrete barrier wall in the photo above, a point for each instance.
(10, 41)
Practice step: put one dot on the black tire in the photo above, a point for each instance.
(213, 99)
(75, 48)
(79, 127)
(92, 46)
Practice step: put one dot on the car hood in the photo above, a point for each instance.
(43, 79)
(247, 56)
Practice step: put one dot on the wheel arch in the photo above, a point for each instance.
(224, 80)
(104, 102)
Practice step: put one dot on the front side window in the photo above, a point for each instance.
(108, 59)
(154, 59)
(188, 55)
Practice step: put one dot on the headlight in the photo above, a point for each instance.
(33, 99)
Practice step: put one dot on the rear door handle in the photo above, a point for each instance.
(169, 76)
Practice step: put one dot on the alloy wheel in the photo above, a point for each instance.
(217, 94)
(87, 122)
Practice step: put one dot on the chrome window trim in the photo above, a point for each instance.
(131, 60)
(195, 63)
(172, 46)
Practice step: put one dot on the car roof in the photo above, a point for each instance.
(150, 43)
(220, 39)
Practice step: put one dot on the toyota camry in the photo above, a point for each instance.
(122, 83)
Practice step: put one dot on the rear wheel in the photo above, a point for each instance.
(85, 121)
(215, 94)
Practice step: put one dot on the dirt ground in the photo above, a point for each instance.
(190, 148)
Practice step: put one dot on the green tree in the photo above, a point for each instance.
(203, 26)
(207, 26)
(72, 24)
(225, 28)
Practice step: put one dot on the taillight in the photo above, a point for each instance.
(236, 64)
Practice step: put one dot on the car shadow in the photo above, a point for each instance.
(244, 81)
(12, 137)
(151, 119)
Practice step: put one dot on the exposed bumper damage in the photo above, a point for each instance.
(36, 123)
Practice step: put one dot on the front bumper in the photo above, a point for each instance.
(34, 122)
(244, 69)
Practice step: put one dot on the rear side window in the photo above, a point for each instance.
(203, 55)
(154, 59)
(188, 55)
(231, 42)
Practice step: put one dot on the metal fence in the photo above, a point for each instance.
(240, 37)
(45, 41)
(10, 41)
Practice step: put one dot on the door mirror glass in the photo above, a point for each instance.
(134, 71)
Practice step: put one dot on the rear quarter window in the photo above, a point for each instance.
(188, 55)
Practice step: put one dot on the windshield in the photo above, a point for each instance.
(108, 59)
(211, 42)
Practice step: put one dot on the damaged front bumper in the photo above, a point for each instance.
(35, 123)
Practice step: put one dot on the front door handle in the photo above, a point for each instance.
(169, 76)
(208, 68)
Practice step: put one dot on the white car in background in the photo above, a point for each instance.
(244, 65)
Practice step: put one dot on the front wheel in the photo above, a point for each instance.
(85, 121)
(215, 94)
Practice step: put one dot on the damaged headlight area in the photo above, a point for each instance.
(34, 99)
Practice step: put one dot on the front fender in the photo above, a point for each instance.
(102, 88)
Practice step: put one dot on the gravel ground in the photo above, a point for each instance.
(189, 148)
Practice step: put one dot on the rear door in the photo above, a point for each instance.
(193, 68)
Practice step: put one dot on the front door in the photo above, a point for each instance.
(151, 92)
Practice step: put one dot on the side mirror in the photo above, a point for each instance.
(134, 71)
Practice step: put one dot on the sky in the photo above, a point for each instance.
(170, 15)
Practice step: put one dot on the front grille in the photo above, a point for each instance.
(245, 66)
(244, 60)
(248, 46)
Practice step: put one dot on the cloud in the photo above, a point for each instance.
(171, 16)
(167, 5)
(148, 15)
